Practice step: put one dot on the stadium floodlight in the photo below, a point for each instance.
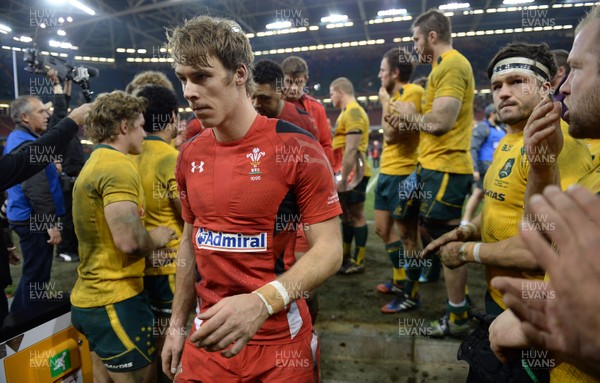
(83, 7)
(60, 32)
(23, 39)
(279, 25)
(515, 2)
(5, 29)
(64, 45)
(334, 18)
(452, 6)
(392, 12)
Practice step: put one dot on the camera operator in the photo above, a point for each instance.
(73, 161)
(17, 166)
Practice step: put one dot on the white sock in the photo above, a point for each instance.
(461, 304)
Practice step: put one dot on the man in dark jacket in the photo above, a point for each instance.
(72, 162)
(17, 167)
(34, 205)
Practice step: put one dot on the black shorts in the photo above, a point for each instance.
(356, 195)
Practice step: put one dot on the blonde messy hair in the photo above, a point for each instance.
(149, 77)
(108, 110)
(203, 37)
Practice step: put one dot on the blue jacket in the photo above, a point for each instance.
(42, 193)
(484, 139)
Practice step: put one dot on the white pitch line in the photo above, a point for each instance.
(372, 182)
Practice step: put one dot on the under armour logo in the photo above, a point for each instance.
(197, 167)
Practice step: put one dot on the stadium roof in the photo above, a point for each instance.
(120, 29)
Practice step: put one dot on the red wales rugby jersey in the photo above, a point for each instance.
(245, 200)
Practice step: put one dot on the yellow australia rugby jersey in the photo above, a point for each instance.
(400, 159)
(352, 120)
(106, 275)
(450, 76)
(156, 166)
(505, 184)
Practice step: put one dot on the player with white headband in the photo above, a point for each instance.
(520, 78)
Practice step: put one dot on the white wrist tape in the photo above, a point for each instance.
(476, 252)
(282, 291)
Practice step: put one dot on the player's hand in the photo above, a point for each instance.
(564, 321)
(542, 136)
(540, 324)
(172, 350)
(450, 255)
(79, 114)
(13, 257)
(384, 96)
(506, 335)
(342, 186)
(460, 234)
(55, 236)
(403, 108)
(233, 320)
(393, 120)
(476, 176)
(162, 235)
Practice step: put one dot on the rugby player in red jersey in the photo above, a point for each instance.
(295, 72)
(268, 98)
(241, 207)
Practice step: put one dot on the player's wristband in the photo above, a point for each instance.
(274, 296)
(470, 229)
(476, 252)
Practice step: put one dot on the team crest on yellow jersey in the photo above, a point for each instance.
(507, 168)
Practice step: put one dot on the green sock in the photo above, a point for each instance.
(413, 273)
(360, 240)
(347, 235)
(459, 315)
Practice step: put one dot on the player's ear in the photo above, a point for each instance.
(432, 36)
(241, 75)
(123, 126)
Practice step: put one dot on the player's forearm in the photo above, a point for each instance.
(350, 155)
(390, 135)
(508, 253)
(537, 180)
(319, 263)
(145, 244)
(433, 124)
(185, 292)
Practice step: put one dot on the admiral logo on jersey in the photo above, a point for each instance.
(234, 242)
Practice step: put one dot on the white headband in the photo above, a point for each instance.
(521, 65)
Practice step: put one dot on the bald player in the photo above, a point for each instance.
(351, 136)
